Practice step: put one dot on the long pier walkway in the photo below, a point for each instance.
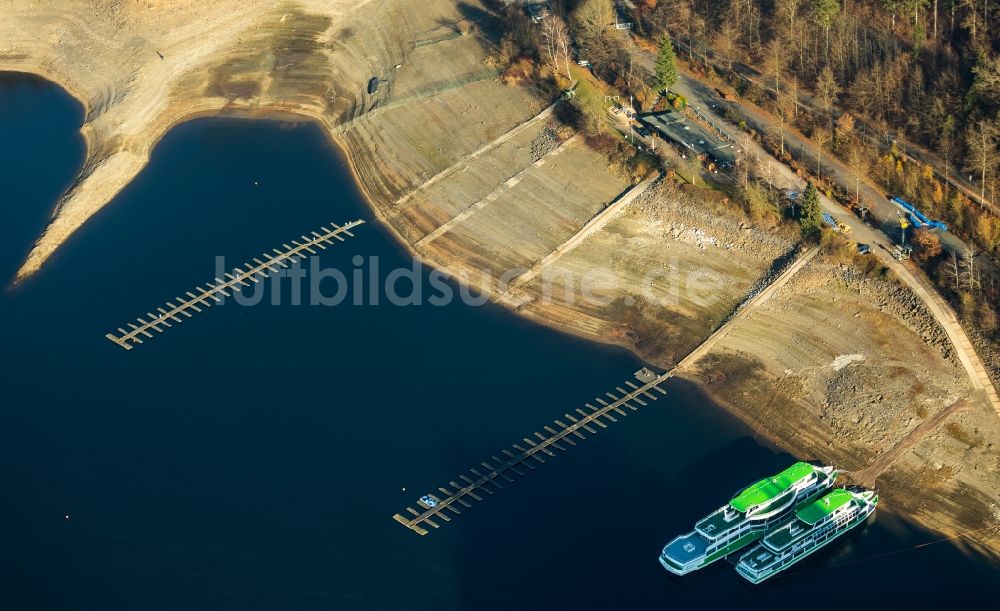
(524, 458)
(215, 291)
(745, 308)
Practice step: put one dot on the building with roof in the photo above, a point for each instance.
(690, 137)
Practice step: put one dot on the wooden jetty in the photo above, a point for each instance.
(526, 457)
(434, 507)
(240, 276)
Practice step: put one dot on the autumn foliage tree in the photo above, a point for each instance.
(926, 246)
(590, 19)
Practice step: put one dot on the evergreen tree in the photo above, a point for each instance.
(666, 64)
(824, 12)
(810, 212)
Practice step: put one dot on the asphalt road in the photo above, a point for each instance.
(913, 151)
(879, 235)
(883, 213)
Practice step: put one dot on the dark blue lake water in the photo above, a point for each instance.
(252, 457)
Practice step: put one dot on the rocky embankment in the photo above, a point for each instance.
(838, 367)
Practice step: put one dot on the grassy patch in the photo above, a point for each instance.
(591, 91)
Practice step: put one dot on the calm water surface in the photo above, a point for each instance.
(252, 458)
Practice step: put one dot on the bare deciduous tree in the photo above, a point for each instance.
(555, 37)
(725, 43)
(785, 108)
(591, 18)
(827, 90)
(859, 162)
(983, 154)
(821, 136)
(970, 271)
(775, 62)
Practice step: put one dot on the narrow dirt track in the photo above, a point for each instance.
(867, 477)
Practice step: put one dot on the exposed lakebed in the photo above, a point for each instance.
(252, 457)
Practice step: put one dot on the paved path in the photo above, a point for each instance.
(704, 97)
(511, 182)
(882, 211)
(867, 477)
(593, 226)
(804, 151)
(909, 150)
(461, 163)
(945, 316)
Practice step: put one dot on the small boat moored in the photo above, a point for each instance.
(429, 501)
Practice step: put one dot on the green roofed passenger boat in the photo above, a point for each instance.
(753, 512)
(814, 525)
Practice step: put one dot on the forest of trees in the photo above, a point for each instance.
(920, 71)
(874, 75)
(929, 67)
(928, 70)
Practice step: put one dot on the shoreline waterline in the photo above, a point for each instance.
(339, 149)
(625, 452)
